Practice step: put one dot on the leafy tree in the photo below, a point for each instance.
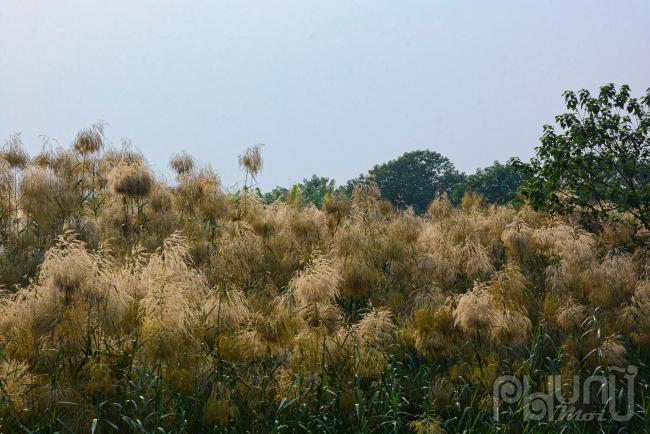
(315, 189)
(498, 183)
(599, 160)
(312, 190)
(415, 178)
(278, 193)
(347, 189)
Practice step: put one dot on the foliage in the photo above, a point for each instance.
(312, 191)
(415, 178)
(497, 184)
(599, 161)
(315, 189)
(278, 193)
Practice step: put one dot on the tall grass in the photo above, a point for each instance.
(132, 305)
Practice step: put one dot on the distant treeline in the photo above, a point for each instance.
(594, 162)
(413, 180)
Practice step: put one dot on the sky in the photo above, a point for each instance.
(329, 87)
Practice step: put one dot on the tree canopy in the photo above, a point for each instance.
(415, 178)
(599, 158)
(498, 183)
(315, 189)
(311, 190)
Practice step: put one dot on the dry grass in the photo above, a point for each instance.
(117, 286)
(130, 180)
(90, 140)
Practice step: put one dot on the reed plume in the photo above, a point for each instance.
(183, 164)
(14, 153)
(90, 140)
(131, 180)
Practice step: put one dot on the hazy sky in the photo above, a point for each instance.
(331, 87)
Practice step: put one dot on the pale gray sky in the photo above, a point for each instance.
(331, 87)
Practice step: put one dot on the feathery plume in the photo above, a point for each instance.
(90, 140)
(14, 153)
(183, 164)
(251, 160)
(474, 312)
(318, 283)
(131, 180)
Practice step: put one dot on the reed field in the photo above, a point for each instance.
(131, 303)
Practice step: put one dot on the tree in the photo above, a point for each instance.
(415, 178)
(599, 160)
(278, 193)
(315, 189)
(312, 190)
(498, 183)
